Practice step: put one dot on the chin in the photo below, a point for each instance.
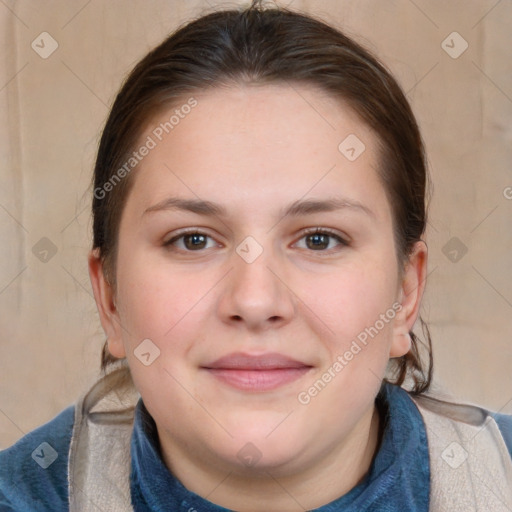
(256, 451)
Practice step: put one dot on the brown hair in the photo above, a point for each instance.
(259, 45)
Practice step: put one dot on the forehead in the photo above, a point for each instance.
(240, 142)
(269, 116)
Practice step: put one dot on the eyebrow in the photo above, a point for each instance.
(310, 206)
(297, 208)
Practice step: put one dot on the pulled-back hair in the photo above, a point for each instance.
(259, 45)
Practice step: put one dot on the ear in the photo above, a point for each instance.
(410, 294)
(104, 296)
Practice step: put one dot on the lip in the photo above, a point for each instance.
(262, 372)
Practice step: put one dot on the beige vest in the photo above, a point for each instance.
(471, 468)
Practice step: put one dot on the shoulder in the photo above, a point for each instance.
(467, 436)
(34, 471)
(504, 422)
(469, 415)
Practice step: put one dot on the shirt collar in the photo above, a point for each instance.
(398, 478)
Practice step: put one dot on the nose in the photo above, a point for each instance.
(256, 294)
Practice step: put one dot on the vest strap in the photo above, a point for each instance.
(470, 466)
(99, 457)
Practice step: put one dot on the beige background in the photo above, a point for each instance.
(52, 111)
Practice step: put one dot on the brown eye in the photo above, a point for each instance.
(317, 241)
(193, 241)
(321, 240)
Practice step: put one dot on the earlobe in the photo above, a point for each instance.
(116, 348)
(401, 344)
(104, 297)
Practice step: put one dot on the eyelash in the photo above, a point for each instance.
(322, 231)
(325, 231)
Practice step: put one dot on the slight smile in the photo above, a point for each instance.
(264, 372)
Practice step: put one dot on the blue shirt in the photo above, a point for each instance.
(398, 478)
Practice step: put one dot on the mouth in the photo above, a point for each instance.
(263, 372)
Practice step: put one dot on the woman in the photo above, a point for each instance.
(258, 266)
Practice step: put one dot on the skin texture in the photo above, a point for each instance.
(254, 150)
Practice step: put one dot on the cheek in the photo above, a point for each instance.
(353, 298)
(357, 306)
(156, 302)
(166, 308)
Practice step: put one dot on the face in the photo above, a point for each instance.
(257, 256)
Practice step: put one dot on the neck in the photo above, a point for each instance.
(330, 476)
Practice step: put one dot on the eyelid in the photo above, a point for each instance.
(189, 231)
(342, 238)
